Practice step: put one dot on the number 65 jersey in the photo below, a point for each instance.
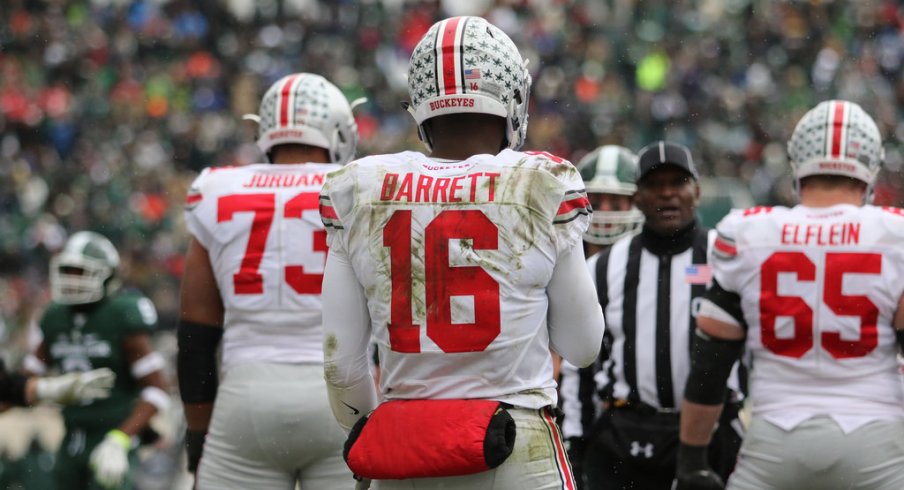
(818, 291)
(454, 259)
(267, 246)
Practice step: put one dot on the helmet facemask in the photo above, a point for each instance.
(610, 169)
(467, 65)
(84, 271)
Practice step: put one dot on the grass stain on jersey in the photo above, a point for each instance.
(330, 344)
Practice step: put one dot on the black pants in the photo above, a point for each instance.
(636, 449)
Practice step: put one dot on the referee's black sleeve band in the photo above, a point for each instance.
(196, 363)
(711, 363)
(728, 301)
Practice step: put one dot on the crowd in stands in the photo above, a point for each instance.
(109, 108)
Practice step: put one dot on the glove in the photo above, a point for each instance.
(194, 447)
(110, 459)
(76, 387)
(693, 472)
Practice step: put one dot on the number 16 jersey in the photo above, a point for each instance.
(454, 258)
(267, 246)
(818, 290)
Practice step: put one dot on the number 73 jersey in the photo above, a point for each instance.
(267, 247)
(818, 290)
(454, 259)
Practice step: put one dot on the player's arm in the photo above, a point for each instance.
(146, 367)
(716, 346)
(199, 334)
(109, 460)
(576, 323)
(346, 334)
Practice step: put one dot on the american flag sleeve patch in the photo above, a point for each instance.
(724, 247)
(574, 204)
(328, 214)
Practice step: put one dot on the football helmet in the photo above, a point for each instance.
(467, 65)
(307, 109)
(836, 137)
(610, 169)
(83, 272)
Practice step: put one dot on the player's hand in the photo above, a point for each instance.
(110, 459)
(698, 480)
(693, 471)
(76, 387)
(194, 447)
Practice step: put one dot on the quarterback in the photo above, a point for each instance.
(814, 294)
(466, 267)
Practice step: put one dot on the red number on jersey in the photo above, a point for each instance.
(249, 279)
(442, 282)
(836, 266)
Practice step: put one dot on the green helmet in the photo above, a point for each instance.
(83, 272)
(610, 169)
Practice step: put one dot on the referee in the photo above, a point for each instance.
(648, 285)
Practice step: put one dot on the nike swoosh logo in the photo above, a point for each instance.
(354, 410)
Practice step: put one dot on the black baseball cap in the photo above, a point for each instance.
(662, 153)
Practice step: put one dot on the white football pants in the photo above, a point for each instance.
(272, 426)
(818, 455)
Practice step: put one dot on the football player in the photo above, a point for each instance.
(609, 173)
(253, 276)
(91, 323)
(814, 294)
(466, 266)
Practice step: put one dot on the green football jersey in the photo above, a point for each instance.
(81, 339)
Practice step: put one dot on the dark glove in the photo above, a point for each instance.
(194, 446)
(693, 471)
(575, 447)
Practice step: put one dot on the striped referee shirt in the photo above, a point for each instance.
(649, 286)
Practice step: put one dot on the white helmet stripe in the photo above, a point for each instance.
(448, 53)
(79, 241)
(607, 161)
(836, 143)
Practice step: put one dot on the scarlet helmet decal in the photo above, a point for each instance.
(467, 65)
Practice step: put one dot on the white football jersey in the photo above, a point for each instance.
(267, 246)
(818, 292)
(454, 259)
